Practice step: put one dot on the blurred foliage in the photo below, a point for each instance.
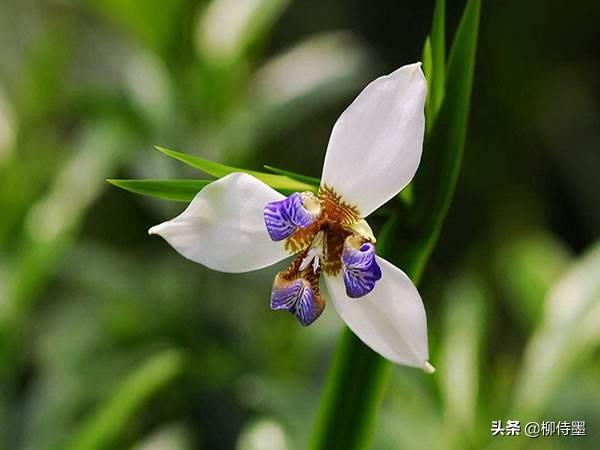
(108, 339)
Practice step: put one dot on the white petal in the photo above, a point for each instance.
(390, 319)
(223, 227)
(375, 146)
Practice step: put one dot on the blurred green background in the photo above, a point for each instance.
(110, 340)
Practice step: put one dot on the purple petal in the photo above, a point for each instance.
(360, 270)
(298, 298)
(285, 216)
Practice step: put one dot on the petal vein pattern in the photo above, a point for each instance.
(299, 296)
(360, 269)
(285, 216)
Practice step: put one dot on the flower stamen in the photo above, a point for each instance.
(329, 236)
(315, 252)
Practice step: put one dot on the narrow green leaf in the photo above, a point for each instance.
(175, 190)
(294, 176)
(278, 182)
(442, 156)
(459, 82)
(428, 71)
(438, 54)
(113, 417)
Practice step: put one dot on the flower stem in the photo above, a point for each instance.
(351, 397)
(355, 382)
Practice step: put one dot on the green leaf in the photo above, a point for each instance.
(278, 182)
(175, 190)
(442, 155)
(434, 64)
(294, 176)
(349, 403)
(438, 56)
(427, 63)
(113, 418)
(427, 57)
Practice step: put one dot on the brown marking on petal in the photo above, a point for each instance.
(292, 273)
(318, 300)
(336, 216)
(313, 279)
(301, 238)
(336, 234)
(336, 209)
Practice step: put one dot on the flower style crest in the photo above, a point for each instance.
(239, 224)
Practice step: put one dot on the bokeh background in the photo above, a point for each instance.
(109, 339)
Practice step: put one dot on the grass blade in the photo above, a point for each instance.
(278, 182)
(442, 156)
(438, 56)
(175, 190)
(294, 176)
(427, 58)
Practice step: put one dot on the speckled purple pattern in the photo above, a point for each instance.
(360, 270)
(285, 216)
(298, 298)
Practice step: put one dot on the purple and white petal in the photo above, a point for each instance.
(223, 227)
(360, 269)
(284, 217)
(390, 319)
(298, 297)
(285, 294)
(375, 146)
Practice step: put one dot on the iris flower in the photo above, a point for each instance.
(239, 224)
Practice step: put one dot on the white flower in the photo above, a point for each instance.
(239, 224)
